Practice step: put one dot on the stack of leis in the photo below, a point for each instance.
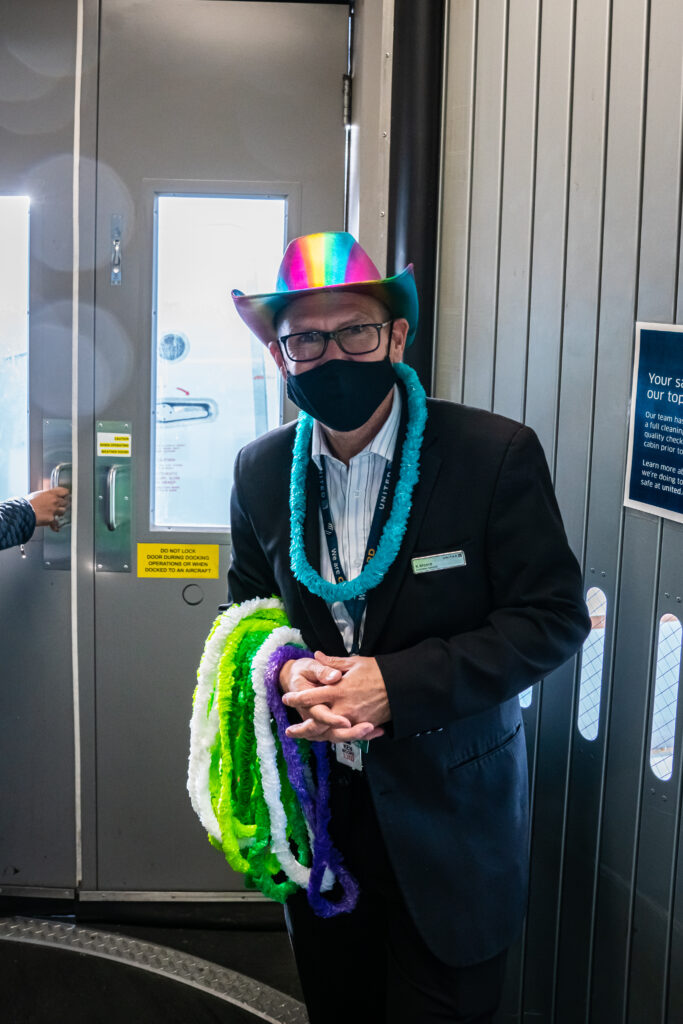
(261, 796)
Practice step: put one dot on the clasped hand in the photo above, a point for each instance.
(339, 699)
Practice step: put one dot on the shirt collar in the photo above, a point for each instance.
(382, 444)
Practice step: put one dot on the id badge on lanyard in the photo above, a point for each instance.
(350, 755)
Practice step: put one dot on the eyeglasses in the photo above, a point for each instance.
(356, 340)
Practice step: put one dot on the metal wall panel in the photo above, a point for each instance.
(512, 324)
(542, 382)
(572, 475)
(675, 944)
(597, 204)
(489, 114)
(657, 292)
(547, 838)
(550, 215)
(451, 307)
(620, 704)
(514, 277)
(582, 263)
(416, 129)
(628, 726)
(658, 837)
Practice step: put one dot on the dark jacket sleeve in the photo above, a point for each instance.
(538, 617)
(17, 522)
(250, 574)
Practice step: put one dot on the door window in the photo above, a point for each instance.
(216, 387)
(14, 212)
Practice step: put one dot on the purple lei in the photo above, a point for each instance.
(316, 809)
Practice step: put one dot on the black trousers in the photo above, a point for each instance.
(372, 966)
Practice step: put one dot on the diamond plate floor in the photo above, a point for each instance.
(51, 971)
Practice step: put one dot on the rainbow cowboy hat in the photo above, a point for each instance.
(327, 262)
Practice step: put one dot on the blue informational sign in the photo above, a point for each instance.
(654, 475)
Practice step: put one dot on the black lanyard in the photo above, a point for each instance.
(355, 606)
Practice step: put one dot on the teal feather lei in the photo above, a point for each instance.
(395, 527)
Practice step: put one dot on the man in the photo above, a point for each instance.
(416, 676)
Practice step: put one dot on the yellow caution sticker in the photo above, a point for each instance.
(178, 561)
(118, 445)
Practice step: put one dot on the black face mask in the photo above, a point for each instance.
(342, 393)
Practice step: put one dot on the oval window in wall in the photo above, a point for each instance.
(667, 677)
(592, 657)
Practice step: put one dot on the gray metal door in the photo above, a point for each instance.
(37, 738)
(106, 111)
(195, 99)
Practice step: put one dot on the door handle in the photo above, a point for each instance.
(61, 467)
(57, 471)
(110, 497)
(183, 410)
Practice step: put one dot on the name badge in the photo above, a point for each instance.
(433, 563)
(350, 755)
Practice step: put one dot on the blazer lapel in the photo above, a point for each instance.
(323, 627)
(381, 599)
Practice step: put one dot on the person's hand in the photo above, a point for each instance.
(306, 674)
(358, 695)
(48, 505)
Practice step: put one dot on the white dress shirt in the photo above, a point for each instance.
(352, 493)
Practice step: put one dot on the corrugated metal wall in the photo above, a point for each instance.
(560, 227)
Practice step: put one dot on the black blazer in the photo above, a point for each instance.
(455, 648)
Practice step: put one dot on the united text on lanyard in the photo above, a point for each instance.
(356, 606)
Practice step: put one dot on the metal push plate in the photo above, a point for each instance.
(113, 495)
(57, 473)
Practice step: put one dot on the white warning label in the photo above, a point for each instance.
(118, 445)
